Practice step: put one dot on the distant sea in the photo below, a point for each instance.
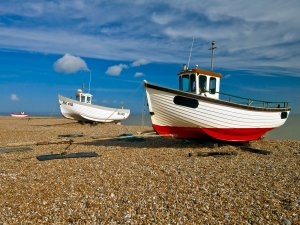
(289, 131)
(137, 120)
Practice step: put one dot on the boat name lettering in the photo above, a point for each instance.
(68, 103)
(120, 113)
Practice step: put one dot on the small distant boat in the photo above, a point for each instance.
(21, 114)
(195, 110)
(83, 110)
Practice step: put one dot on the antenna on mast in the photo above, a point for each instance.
(191, 52)
(90, 81)
(212, 48)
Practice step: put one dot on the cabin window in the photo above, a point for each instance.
(88, 100)
(193, 83)
(180, 83)
(185, 83)
(202, 83)
(82, 98)
(212, 85)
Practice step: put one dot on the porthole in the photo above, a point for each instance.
(184, 101)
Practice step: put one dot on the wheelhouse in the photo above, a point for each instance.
(83, 97)
(199, 81)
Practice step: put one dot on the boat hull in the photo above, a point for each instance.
(80, 111)
(18, 115)
(185, 115)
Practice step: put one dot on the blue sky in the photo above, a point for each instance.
(124, 42)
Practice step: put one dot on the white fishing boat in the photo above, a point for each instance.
(21, 114)
(196, 110)
(83, 110)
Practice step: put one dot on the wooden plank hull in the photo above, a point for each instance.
(202, 117)
(80, 111)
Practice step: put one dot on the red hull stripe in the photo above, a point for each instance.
(225, 134)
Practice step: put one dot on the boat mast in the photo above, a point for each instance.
(212, 48)
(191, 52)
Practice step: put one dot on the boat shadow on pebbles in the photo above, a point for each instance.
(55, 125)
(140, 142)
(144, 142)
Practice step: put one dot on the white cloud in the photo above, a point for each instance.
(140, 62)
(116, 69)
(14, 97)
(139, 74)
(70, 64)
(101, 30)
(161, 19)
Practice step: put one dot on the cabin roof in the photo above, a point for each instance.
(86, 94)
(201, 71)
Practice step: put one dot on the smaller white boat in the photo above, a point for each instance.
(21, 114)
(83, 110)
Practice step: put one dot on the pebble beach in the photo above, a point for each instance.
(139, 177)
